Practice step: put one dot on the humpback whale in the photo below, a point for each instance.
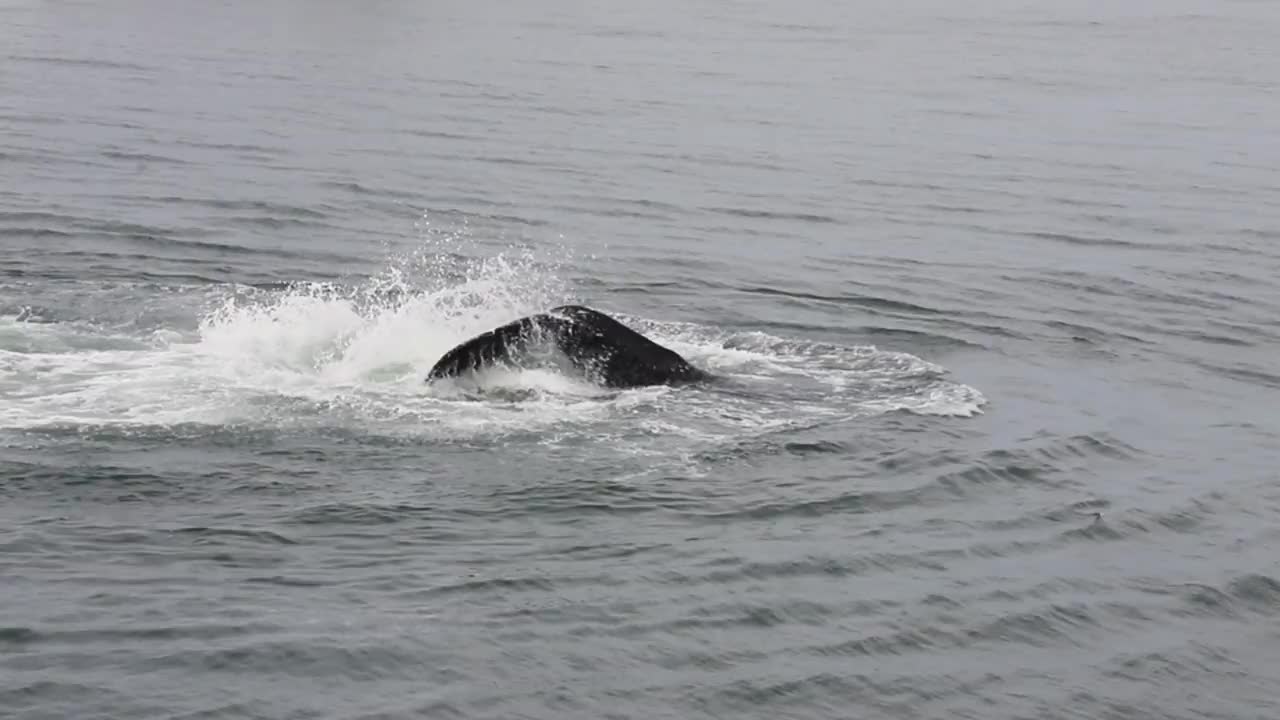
(595, 343)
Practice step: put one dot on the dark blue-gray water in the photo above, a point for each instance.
(992, 289)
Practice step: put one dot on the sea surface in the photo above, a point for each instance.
(990, 289)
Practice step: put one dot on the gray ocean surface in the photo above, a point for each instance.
(991, 288)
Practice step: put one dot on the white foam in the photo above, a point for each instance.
(325, 355)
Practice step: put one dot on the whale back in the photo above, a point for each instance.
(597, 344)
(617, 355)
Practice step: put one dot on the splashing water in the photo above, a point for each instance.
(355, 356)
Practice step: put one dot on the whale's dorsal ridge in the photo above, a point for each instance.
(598, 344)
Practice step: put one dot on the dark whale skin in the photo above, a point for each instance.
(599, 345)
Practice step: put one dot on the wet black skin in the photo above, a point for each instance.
(597, 344)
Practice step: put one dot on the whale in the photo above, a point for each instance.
(598, 345)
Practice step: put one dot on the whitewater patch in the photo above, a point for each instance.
(355, 357)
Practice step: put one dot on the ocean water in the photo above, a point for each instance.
(991, 289)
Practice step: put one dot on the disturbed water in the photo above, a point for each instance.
(992, 291)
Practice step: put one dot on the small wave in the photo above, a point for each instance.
(272, 222)
(1087, 333)
(87, 636)
(607, 212)
(1248, 594)
(79, 62)
(34, 216)
(863, 301)
(210, 535)
(142, 157)
(96, 226)
(815, 566)
(1259, 592)
(827, 691)
(1242, 372)
(773, 215)
(821, 447)
(365, 190)
(1055, 625)
(171, 242)
(1260, 233)
(362, 514)
(498, 219)
(503, 586)
(139, 235)
(262, 207)
(927, 339)
(34, 233)
(924, 639)
(237, 147)
(303, 658)
(32, 118)
(53, 694)
(440, 134)
(288, 582)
